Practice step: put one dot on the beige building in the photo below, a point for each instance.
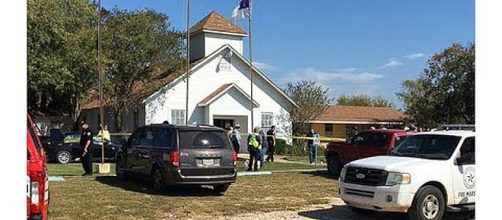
(338, 121)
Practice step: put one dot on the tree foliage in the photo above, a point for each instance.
(312, 101)
(134, 43)
(363, 100)
(61, 55)
(444, 93)
(62, 49)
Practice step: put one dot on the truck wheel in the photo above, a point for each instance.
(428, 204)
(157, 182)
(63, 156)
(333, 165)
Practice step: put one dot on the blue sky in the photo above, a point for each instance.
(351, 47)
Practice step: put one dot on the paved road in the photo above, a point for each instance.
(337, 210)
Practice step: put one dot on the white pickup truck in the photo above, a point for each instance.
(426, 175)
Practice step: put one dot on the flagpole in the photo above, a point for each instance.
(251, 65)
(187, 58)
(101, 79)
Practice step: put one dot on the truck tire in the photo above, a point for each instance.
(63, 157)
(428, 204)
(334, 167)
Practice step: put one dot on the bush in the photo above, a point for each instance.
(298, 148)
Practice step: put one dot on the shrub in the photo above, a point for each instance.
(298, 148)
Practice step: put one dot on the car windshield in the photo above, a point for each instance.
(203, 140)
(438, 147)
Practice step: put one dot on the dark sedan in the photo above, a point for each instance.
(69, 150)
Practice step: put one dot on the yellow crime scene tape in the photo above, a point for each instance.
(284, 137)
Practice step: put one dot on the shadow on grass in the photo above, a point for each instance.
(321, 173)
(341, 212)
(142, 186)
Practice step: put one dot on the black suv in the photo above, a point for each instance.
(172, 155)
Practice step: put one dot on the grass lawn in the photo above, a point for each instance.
(75, 169)
(305, 159)
(106, 197)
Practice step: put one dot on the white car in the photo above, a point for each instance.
(427, 174)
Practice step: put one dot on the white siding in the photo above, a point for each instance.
(205, 80)
(214, 41)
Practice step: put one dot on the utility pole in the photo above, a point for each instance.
(188, 59)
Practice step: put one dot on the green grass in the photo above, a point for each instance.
(75, 169)
(305, 159)
(71, 169)
(106, 197)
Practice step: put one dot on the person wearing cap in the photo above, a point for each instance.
(86, 149)
(236, 138)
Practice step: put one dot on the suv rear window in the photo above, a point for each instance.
(203, 140)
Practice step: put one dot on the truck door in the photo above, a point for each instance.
(464, 173)
(372, 144)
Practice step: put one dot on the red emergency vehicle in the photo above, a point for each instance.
(37, 179)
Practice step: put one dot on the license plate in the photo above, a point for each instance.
(208, 161)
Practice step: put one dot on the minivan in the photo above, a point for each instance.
(179, 155)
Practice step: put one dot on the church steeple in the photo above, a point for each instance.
(212, 32)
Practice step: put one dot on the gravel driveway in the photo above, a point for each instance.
(336, 209)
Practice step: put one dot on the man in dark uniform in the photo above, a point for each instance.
(86, 149)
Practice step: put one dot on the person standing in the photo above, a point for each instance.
(104, 134)
(271, 143)
(254, 147)
(236, 138)
(264, 147)
(311, 146)
(86, 149)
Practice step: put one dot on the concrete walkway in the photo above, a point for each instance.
(277, 158)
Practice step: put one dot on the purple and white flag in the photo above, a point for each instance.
(242, 10)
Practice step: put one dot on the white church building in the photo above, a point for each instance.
(219, 87)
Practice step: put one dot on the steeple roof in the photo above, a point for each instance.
(216, 22)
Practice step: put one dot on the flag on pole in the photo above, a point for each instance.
(242, 10)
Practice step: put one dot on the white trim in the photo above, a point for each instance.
(208, 57)
(358, 122)
(222, 32)
(225, 90)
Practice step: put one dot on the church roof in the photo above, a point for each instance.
(222, 90)
(216, 22)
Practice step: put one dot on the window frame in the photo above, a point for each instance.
(270, 120)
(175, 117)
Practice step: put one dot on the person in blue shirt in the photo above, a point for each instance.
(236, 138)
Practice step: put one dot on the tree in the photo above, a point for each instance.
(444, 93)
(363, 100)
(61, 55)
(135, 43)
(312, 101)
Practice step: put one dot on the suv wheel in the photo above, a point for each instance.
(428, 204)
(63, 156)
(119, 169)
(157, 183)
(333, 165)
(221, 188)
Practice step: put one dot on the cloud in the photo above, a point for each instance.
(263, 66)
(415, 56)
(326, 77)
(352, 69)
(392, 63)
